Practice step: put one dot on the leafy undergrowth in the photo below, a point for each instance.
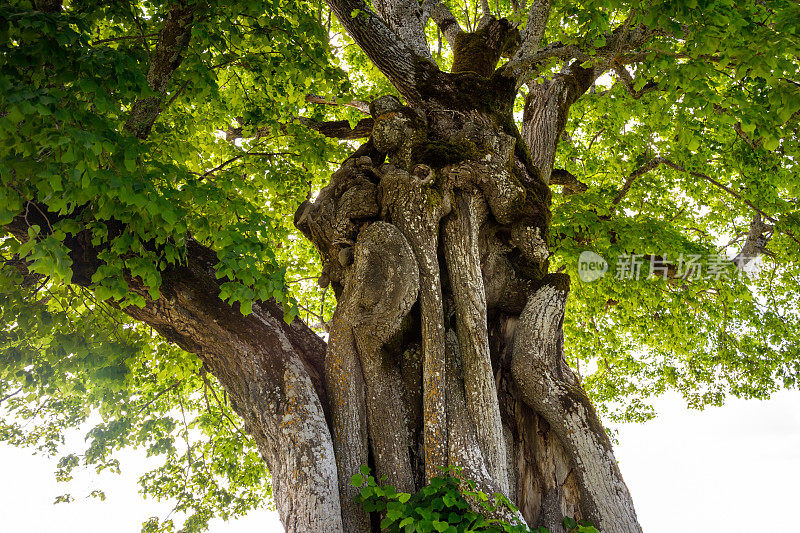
(442, 507)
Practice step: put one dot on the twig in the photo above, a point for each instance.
(236, 158)
(125, 38)
(159, 395)
(647, 167)
(221, 406)
(10, 395)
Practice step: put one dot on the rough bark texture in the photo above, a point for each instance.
(549, 386)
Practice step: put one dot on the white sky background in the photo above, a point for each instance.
(694, 471)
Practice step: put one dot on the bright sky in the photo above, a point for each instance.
(720, 469)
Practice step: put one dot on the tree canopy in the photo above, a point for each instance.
(685, 146)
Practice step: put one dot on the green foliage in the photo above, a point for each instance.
(67, 361)
(439, 506)
(67, 83)
(70, 360)
(725, 105)
(448, 504)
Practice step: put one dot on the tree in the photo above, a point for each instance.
(153, 154)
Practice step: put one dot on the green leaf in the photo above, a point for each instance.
(440, 526)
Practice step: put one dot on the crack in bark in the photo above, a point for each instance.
(466, 281)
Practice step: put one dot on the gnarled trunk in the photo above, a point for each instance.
(434, 237)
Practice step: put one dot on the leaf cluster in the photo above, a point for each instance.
(447, 504)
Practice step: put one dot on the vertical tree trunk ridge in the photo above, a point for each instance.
(434, 236)
(469, 299)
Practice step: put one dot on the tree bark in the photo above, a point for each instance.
(496, 397)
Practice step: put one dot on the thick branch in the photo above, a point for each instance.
(534, 29)
(394, 58)
(173, 39)
(340, 129)
(345, 382)
(385, 284)
(550, 387)
(416, 209)
(480, 51)
(756, 243)
(404, 17)
(357, 104)
(568, 180)
(336, 129)
(622, 39)
(537, 21)
(262, 363)
(447, 23)
(545, 115)
(271, 370)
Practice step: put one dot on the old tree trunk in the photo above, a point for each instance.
(446, 346)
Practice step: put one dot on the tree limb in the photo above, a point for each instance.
(545, 115)
(173, 40)
(271, 370)
(568, 180)
(756, 243)
(716, 183)
(341, 129)
(124, 38)
(622, 39)
(357, 104)
(446, 21)
(240, 156)
(404, 17)
(757, 229)
(658, 160)
(534, 29)
(336, 129)
(550, 387)
(10, 395)
(394, 58)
